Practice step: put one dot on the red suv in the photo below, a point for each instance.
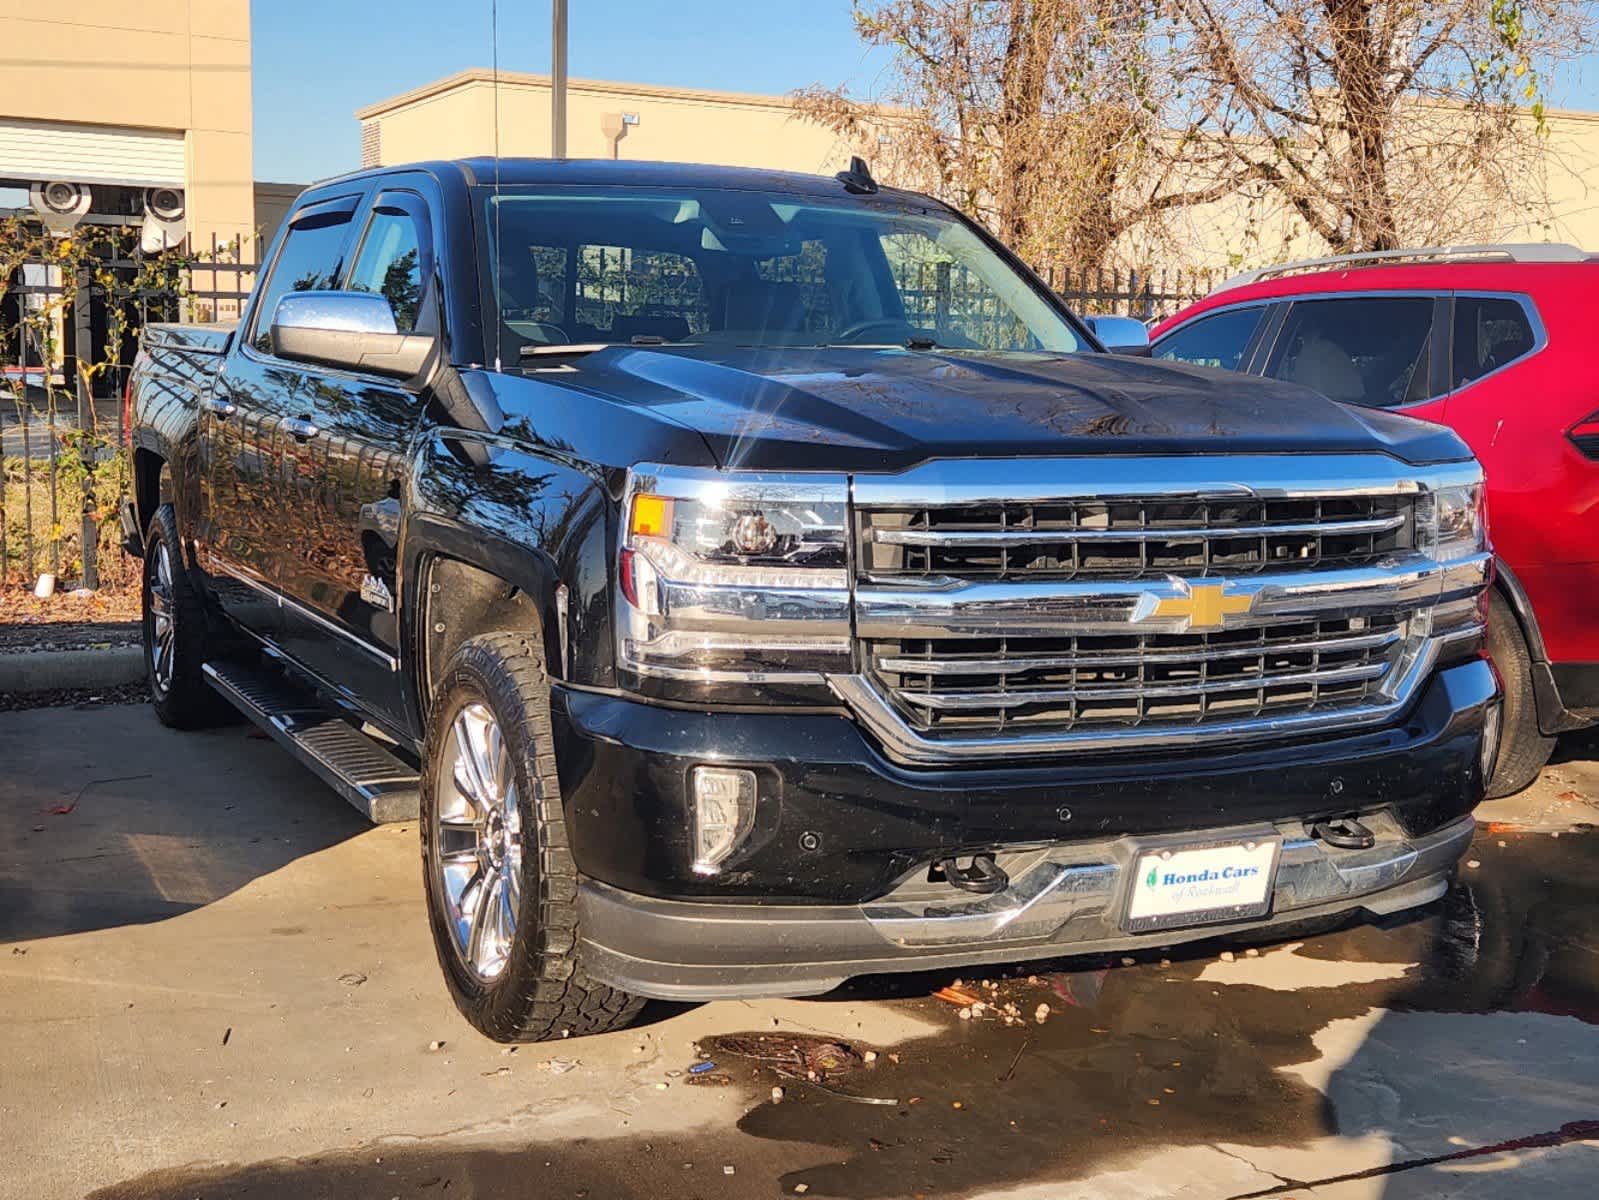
(1492, 341)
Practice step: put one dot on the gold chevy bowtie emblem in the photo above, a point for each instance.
(1206, 605)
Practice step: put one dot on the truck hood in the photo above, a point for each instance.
(863, 409)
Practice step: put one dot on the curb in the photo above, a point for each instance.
(48, 670)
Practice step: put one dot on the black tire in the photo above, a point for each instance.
(1523, 749)
(535, 988)
(174, 630)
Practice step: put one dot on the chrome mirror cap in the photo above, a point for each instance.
(1120, 335)
(354, 331)
(347, 312)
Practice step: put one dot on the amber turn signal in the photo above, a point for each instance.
(651, 516)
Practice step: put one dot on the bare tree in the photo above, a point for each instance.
(1075, 129)
(1380, 123)
(1050, 120)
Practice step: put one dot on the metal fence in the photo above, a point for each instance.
(68, 334)
(1147, 295)
(63, 430)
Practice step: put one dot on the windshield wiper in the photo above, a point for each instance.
(561, 349)
(569, 349)
(923, 343)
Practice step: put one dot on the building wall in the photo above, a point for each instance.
(454, 118)
(1573, 179)
(1559, 203)
(175, 65)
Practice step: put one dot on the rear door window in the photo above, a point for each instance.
(1490, 332)
(312, 253)
(1370, 350)
(1217, 340)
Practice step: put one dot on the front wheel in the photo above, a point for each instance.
(1523, 749)
(500, 879)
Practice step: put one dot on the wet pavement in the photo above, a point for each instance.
(269, 1034)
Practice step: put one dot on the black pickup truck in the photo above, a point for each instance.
(753, 580)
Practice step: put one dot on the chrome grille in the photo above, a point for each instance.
(1133, 538)
(1005, 685)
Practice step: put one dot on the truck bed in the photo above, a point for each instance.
(199, 339)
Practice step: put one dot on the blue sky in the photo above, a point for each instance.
(317, 62)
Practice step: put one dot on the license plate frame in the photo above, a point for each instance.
(1147, 854)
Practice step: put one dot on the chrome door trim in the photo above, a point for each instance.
(383, 656)
(312, 615)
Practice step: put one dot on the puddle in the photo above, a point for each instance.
(1276, 1051)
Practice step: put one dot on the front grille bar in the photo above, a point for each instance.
(1149, 656)
(1044, 606)
(957, 701)
(966, 539)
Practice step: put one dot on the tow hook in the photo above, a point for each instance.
(1344, 832)
(984, 876)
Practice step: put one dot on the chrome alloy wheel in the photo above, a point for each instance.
(163, 632)
(478, 841)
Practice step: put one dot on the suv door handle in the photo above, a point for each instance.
(222, 408)
(301, 429)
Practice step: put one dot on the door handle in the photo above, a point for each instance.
(301, 429)
(222, 408)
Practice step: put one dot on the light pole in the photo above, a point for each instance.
(558, 79)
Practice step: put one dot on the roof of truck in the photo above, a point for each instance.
(605, 172)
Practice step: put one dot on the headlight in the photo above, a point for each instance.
(1453, 522)
(731, 579)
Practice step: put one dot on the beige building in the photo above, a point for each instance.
(1557, 201)
(136, 110)
(455, 118)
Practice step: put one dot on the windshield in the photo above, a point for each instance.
(748, 268)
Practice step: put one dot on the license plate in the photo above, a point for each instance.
(1202, 885)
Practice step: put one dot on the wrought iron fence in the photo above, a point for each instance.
(70, 315)
(1146, 294)
(64, 366)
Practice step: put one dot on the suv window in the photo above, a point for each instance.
(1490, 331)
(309, 261)
(1370, 350)
(1217, 340)
(390, 264)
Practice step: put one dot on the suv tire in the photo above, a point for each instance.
(174, 626)
(1523, 749)
(500, 880)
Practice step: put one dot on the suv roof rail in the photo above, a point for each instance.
(1521, 252)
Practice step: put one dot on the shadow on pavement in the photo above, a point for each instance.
(1464, 1035)
(107, 818)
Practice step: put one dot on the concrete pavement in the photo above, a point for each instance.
(216, 981)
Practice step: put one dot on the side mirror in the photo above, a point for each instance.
(1121, 335)
(353, 330)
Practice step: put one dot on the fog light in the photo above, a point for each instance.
(724, 814)
(1489, 756)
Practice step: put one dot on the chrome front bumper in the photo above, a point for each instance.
(1063, 899)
